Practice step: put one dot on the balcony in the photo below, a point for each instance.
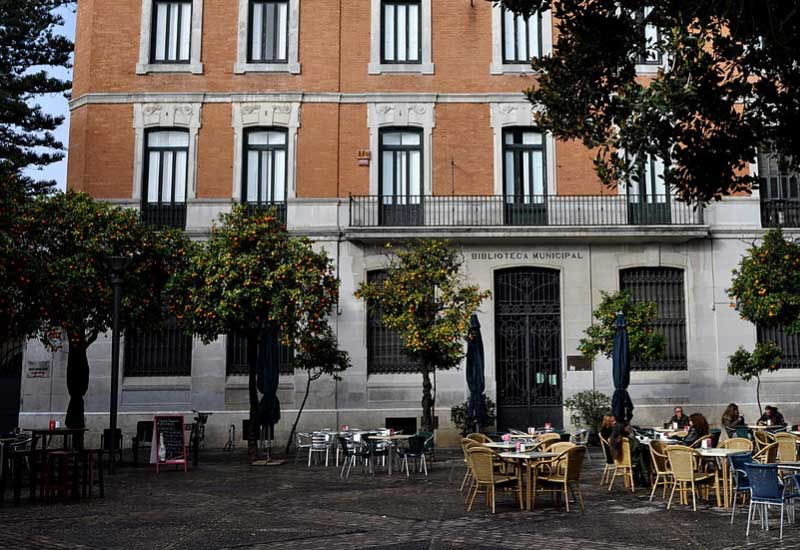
(278, 208)
(780, 212)
(556, 216)
(165, 215)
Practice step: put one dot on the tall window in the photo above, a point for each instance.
(524, 171)
(779, 189)
(401, 176)
(269, 31)
(522, 37)
(789, 343)
(165, 177)
(646, 182)
(236, 355)
(401, 31)
(172, 31)
(384, 347)
(265, 166)
(650, 54)
(167, 352)
(665, 287)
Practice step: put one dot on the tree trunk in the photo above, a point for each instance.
(758, 395)
(428, 401)
(299, 412)
(252, 434)
(77, 383)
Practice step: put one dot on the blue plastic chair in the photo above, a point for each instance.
(741, 484)
(767, 489)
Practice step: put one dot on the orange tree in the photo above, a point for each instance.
(251, 277)
(75, 234)
(766, 287)
(425, 300)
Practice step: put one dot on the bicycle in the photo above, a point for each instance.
(198, 434)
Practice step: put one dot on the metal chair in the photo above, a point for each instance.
(581, 438)
(302, 440)
(353, 452)
(767, 489)
(143, 438)
(415, 450)
(320, 443)
(105, 443)
(741, 484)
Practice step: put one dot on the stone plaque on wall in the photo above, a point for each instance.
(38, 369)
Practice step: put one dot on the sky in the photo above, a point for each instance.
(57, 104)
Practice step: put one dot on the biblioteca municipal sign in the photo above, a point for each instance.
(518, 255)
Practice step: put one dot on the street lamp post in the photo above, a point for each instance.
(117, 266)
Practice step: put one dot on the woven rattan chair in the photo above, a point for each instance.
(559, 447)
(738, 443)
(487, 479)
(767, 455)
(467, 444)
(683, 462)
(564, 477)
(480, 438)
(699, 443)
(762, 438)
(787, 447)
(658, 454)
(608, 463)
(623, 466)
(546, 440)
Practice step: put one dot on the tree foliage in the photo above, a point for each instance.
(729, 85)
(29, 46)
(645, 343)
(766, 283)
(425, 300)
(588, 409)
(765, 358)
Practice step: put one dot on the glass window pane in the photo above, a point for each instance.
(168, 138)
(410, 138)
(392, 138)
(269, 50)
(388, 31)
(401, 30)
(161, 31)
(174, 39)
(532, 138)
(509, 176)
(276, 138)
(258, 138)
(266, 176)
(413, 32)
(522, 36)
(534, 22)
(256, 30)
(526, 176)
(538, 174)
(387, 176)
(508, 38)
(152, 176)
(280, 176)
(283, 29)
(401, 181)
(166, 177)
(414, 174)
(186, 31)
(252, 176)
(180, 176)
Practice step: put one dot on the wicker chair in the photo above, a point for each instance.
(608, 463)
(767, 455)
(480, 438)
(623, 466)
(564, 477)
(466, 445)
(699, 443)
(482, 460)
(762, 438)
(546, 440)
(683, 463)
(559, 448)
(658, 454)
(738, 443)
(787, 447)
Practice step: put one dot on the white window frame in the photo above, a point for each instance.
(520, 114)
(265, 115)
(195, 66)
(292, 66)
(399, 115)
(165, 116)
(498, 67)
(651, 69)
(425, 66)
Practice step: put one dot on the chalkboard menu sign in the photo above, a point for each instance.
(169, 441)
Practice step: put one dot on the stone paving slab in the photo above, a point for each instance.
(226, 504)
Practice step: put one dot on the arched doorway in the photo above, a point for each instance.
(528, 347)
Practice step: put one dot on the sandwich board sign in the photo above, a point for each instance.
(169, 442)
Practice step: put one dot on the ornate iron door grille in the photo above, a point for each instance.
(528, 347)
(664, 286)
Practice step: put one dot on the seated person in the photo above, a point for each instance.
(698, 428)
(606, 429)
(640, 454)
(679, 418)
(731, 419)
(772, 417)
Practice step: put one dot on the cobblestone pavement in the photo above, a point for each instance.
(227, 504)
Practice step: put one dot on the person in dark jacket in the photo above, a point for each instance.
(731, 419)
(698, 428)
(678, 418)
(772, 417)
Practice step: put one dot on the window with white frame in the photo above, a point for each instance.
(165, 177)
(401, 165)
(170, 35)
(524, 171)
(401, 31)
(650, 55)
(646, 179)
(265, 166)
(268, 37)
(522, 37)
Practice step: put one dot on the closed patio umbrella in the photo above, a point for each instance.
(269, 408)
(476, 381)
(621, 404)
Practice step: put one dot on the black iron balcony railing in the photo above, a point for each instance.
(259, 207)
(165, 215)
(780, 212)
(542, 210)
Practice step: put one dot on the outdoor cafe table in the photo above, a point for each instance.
(530, 460)
(504, 445)
(720, 457)
(71, 440)
(390, 439)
